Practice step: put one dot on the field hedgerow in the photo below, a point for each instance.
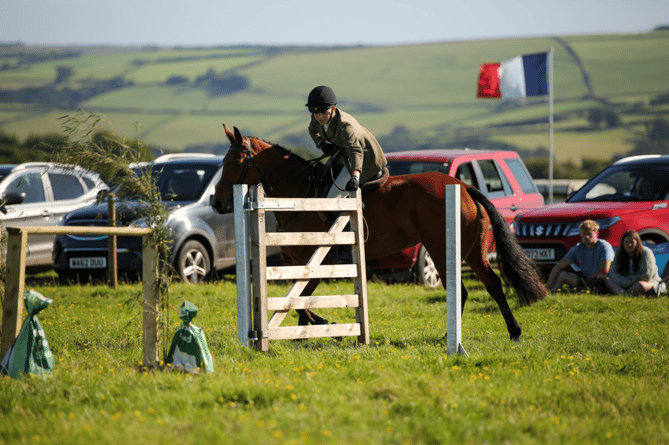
(588, 370)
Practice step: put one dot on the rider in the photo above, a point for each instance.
(359, 151)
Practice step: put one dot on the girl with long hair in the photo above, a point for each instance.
(634, 270)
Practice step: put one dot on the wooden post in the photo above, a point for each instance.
(112, 259)
(17, 243)
(151, 304)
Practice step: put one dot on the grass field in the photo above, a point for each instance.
(588, 370)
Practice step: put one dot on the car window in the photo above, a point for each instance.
(183, 183)
(627, 183)
(30, 184)
(466, 174)
(89, 182)
(493, 181)
(411, 167)
(522, 176)
(65, 186)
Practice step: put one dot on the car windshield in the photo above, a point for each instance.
(410, 167)
(182, 182)
(633, 182)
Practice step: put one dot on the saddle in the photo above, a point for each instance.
(324, 180)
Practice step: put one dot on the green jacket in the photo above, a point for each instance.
(362, 150)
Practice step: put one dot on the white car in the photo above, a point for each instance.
(40, 194)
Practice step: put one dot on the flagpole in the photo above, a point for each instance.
(550, 126)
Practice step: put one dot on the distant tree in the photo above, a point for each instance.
(655, 141)
(659, 130)
(176, 80)
(603, 116)
(63, 74)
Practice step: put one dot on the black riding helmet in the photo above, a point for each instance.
(320, 99)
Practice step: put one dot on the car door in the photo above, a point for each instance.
(33, 211)
(495, 185)
(223, 227)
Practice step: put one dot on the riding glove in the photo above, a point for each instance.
(326, 146)
(353, 184)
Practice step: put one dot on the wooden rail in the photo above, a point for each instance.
(17, 242)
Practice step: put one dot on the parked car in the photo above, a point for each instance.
(500, 175)
(630, 194)
(40, 194)
(203, 240)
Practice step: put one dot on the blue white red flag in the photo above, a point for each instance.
(515, 78)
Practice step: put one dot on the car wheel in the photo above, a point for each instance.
(425, 270)
(193, 264)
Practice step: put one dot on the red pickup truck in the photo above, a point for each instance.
(500, 175)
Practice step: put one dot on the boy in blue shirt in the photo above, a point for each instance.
(593, 255)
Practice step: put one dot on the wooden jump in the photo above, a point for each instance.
(15, 282)
(254, 325)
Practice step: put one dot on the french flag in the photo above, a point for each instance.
(515, 78)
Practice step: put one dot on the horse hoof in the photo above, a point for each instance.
(515, 336)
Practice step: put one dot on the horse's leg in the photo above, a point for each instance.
(493, 285)
(307, 316)
(463, 295)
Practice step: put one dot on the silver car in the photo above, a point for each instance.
(40, 194)
(203, 241)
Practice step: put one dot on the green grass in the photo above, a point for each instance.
(589, 370)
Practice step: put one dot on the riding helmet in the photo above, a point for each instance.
(320, 99)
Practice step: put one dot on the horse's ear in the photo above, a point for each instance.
(229, 134)
(238, 135)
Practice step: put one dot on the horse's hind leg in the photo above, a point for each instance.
(307, 316)
(493, 285)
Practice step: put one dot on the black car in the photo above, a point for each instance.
(203, 240)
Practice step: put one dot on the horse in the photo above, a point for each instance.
(401, 213)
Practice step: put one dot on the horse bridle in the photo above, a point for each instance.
(247, 166)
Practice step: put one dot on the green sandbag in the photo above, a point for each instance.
(30, 352)
(189, 351)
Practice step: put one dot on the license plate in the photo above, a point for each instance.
(541, 254)
(88, 263)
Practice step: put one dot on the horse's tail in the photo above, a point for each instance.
(519, 270)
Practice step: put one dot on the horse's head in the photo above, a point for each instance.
(239, 167)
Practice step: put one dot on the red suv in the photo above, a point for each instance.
(500, 175)
(630, 194)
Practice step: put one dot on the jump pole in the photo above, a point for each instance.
(453, 273)
(243, 259)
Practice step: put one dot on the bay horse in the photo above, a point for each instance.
(405, 211)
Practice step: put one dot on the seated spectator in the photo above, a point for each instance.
(634, 270)
(593, 256)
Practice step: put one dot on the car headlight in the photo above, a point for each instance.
(144, 222)
(140, 223)
(603, 224)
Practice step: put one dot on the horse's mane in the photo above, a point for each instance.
(283, 151)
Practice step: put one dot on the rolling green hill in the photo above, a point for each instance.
(176, 99)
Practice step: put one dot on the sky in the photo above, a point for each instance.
(315, 22)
